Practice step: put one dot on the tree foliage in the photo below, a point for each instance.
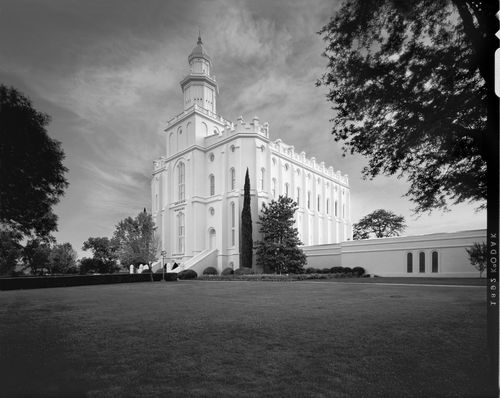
(136, 241)
(10, 250)
(62, 259)
(478, 256)
(246, 252)
(409, 83)
(36, 255)
(381, 223)
(31, 170)
(278, 250)
(104, 255)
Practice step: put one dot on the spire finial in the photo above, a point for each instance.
(199, 37)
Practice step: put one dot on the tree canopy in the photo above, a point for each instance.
(380, 223)
(136, 241)
(32, 175)
(278, 250)
(478, 256)
(62, 259)
(410, 84)
(105, 255)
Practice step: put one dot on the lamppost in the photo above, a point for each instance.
(163, 255)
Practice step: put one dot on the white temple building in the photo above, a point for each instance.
(197, 186)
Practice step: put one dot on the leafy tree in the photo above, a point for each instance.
(478, 256)
(136, 241)
(413, 91)
(62, 259)
(36, 255)
(381, 223)
(10, 250)
(31, 170)
(246, 253)
(278, 251)
(104, 252)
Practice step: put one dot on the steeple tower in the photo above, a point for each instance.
(199, 86)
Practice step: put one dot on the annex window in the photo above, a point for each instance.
(434, 261)
(298, 196)
(318, 204)
(211, 180)
(273, 188)
(409, 263)
(421, 261)
(232, 173)
(262, 172)
(309, 200)
(327, 206)
(286, 189)
(180, 233)
(181, 184)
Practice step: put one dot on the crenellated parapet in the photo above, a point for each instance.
(288, 151)
(239, 127)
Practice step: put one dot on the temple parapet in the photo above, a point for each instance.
(289, 151)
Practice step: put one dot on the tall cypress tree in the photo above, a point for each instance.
(246, 227)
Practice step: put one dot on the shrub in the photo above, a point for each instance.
(146, 271)
(358, 271)
(227, 271)
(311, 270)
(347, 270)
(210, 271)
(325, 271)
(337, 270)
(244, 271)
(187, 274)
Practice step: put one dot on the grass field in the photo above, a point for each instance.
(245, 339)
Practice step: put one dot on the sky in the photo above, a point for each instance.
(108, 73)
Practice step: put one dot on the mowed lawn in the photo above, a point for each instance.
(244, 339)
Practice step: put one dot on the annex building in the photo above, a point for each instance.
(197, 186)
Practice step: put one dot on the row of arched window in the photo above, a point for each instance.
(318, 204)
(421, 262)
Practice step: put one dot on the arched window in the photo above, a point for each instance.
(262, 172)
(343, 210)
(233, 224)
(409, 263)
(336, 209)
(180, 233)
(309, 200)
(286, 189)
(319, 201)
(181, 178)
(434, 261)
(273, 188)
(211, 179)
(327, 206)
(232, 174)
(298, 196)
(421, 260)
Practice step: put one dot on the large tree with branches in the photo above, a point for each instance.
(412, 84)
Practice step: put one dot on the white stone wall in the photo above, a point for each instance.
(388, 256)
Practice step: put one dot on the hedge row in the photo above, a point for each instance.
(357, 271)
(37, 282)
(274, 277)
